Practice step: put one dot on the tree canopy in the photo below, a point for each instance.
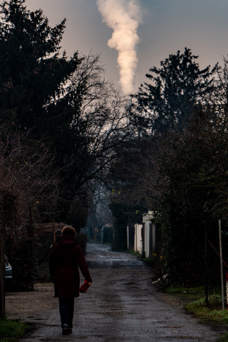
(175, 162)
(174, 92)
(64, 129)
(32, 72)
(65, 112)
(65, 101)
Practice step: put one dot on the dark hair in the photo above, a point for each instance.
(68, 230)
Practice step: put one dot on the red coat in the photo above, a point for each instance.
(65, 258)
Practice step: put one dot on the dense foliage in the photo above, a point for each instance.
(32, 73)
(177, 164)
(173, 93)
(65, 130)
(193, 179)
(60, 120)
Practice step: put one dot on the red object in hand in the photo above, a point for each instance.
(84, 287)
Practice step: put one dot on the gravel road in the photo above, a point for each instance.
(121, 305)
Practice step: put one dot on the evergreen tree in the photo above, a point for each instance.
(32, 73)
(67, 102)
(176, 88)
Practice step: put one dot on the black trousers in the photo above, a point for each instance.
(66, 310)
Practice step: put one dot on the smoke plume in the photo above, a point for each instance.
(124, 17)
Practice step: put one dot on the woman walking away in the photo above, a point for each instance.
(65, 258)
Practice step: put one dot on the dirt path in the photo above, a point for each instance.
(121, 305)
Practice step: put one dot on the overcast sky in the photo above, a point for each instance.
(140, 33)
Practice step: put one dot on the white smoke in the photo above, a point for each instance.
(124, 17)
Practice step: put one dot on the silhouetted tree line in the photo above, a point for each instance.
(175, 164)
(64, 129)
(59, 122)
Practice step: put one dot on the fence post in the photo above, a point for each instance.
(2, 277)
(227, 290)
(221, 263)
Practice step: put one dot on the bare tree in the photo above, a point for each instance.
(29, 186)
(103, 118)
(29, 173)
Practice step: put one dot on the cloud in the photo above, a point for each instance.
(124, 17)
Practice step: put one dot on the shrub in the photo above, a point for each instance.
(10, 331)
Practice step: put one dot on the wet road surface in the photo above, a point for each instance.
(121, 305)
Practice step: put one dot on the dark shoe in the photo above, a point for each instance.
(65, 329)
